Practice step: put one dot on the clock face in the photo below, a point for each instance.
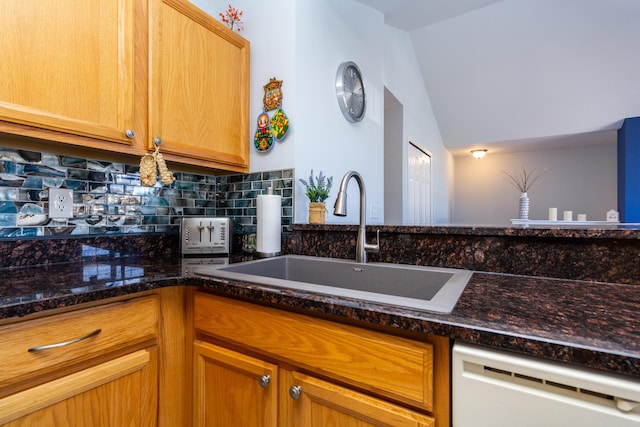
(350, 91)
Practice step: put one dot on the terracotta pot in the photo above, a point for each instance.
(317, 213)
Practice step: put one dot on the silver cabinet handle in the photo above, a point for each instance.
(63, 344)
(157, 141)
(295, 391)
(130, 133)
(264, 381)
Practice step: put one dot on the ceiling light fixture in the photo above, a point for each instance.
(478, 154)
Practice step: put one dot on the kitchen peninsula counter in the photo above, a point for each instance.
(608, 254)
(613, 231)
(586, 323)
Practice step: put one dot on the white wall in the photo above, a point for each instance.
(582, 180)
(328, 33)
(302, 42)
(403, 79)
(393, 159)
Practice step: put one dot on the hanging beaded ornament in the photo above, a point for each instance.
(150, 164)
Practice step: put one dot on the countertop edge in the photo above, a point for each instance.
(344, 310)
(418, 323)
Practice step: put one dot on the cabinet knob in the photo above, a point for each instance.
(157, 141)
(130, 133)
(264, 381)
(295, 391)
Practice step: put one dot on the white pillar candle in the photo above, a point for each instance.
(582, 217)
(568, 215)
(553, 214)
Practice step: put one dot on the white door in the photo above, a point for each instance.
(419, 188)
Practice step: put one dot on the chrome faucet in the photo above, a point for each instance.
(340, 209)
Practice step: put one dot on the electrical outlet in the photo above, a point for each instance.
(60, 203)
(374, 211)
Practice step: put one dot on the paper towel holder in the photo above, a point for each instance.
(260, 254)
(267, 254)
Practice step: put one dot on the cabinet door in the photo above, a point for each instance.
(232, 389)
(120, 392)
(318, 403)
(394, 368)
(68, 66)
(199, 86)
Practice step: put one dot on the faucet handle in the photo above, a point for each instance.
(369, 247)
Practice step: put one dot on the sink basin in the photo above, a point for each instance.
(425, 288)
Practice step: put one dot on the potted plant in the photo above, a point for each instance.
(317, 191)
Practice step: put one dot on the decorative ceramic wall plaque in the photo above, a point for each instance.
(279, 124)
(263, 139)
(272, 94)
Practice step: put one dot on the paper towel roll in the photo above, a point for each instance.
(268, 241)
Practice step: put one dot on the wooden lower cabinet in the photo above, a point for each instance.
(318, 403)
(93, 367)
(113, 394)
(231, 388)
(259, 366)
(247, 365)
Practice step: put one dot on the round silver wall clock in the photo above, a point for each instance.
(350, 91)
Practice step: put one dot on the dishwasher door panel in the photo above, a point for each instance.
(493, 388)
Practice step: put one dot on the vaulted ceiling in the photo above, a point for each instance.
(409, 15)
(524, 74)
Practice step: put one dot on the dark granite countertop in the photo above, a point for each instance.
(574, 231)
(591, 324)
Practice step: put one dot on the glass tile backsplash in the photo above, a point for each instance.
(109, 199)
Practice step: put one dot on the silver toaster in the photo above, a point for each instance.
(205, 236)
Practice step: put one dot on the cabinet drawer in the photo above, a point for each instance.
(121, 325)
(392, 367)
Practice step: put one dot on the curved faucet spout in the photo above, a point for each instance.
(340, 209)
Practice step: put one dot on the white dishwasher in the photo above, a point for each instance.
(492, 388)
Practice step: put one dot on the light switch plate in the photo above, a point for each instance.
(60, 203)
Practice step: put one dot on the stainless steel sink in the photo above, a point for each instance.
(425, 288)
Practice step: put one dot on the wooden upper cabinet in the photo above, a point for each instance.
(199, 86)
(68, 66)
(87, 72)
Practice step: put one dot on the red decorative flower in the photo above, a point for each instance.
(233, 18)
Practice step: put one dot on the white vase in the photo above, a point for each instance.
(524, 206)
